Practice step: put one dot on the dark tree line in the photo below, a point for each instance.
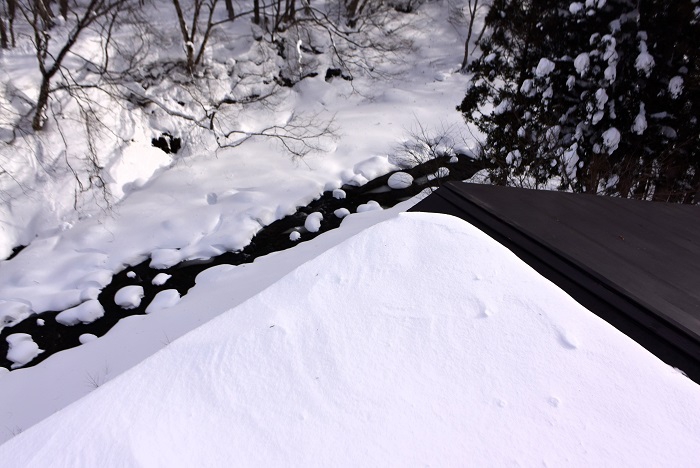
(596, 96)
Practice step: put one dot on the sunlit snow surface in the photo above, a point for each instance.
(419, 341)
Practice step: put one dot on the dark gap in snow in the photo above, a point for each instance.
(167, 143)
(53, 337)
(15, 251)
(334, 73)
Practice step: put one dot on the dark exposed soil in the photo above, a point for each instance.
(53, 337)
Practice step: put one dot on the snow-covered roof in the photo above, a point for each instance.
(400, 347)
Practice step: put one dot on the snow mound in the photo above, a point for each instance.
(341, 212)
(87, 312)
(86, 338)
(129, 297)
(294, 236)
(22, 349)
(12, 312)
(374, 167)
(312, 223)
(339, 194)
(453, 349)
(163, 300)
(400, 180)
(369, 206)
(160, 279)
(439, 174)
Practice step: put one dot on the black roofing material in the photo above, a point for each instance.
(635, 264)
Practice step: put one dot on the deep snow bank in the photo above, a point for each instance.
(417, 341)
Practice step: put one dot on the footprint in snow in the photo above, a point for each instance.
(567, 340)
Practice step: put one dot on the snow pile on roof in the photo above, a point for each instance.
(418, 341)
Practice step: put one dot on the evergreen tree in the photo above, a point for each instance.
(599, 97)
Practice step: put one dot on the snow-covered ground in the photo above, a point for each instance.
(418, 341)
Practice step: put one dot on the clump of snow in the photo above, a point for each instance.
(312, 223)
(439, 174)
(503, 106)
(12, 312)
(339, 194)
(526, 87)
(129, 297)
(454, 159)
(640, 121)
(341, 213)
(131, 274)
(548, 93)
(597, 117)
(165, 258)
(374, 167)
(400, 180)
(611, 139)
(86, 338)
(22, 349)
(514, 157)
(644, 62)
(160, 279)
(163, 300)
(575, 7)
(581, 63)
(544, 67)
(87, 312)
(294, 236)
(675, 86)
(369, 206)
(40, 322)
(570, 82)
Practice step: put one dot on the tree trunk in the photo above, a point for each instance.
(472, 16)
(44, 9)
(63, 7)
(11, 10)
(41, 105)
(3, 34)
(256, 11)
(229, 9)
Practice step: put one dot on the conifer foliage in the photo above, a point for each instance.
(595, 96)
